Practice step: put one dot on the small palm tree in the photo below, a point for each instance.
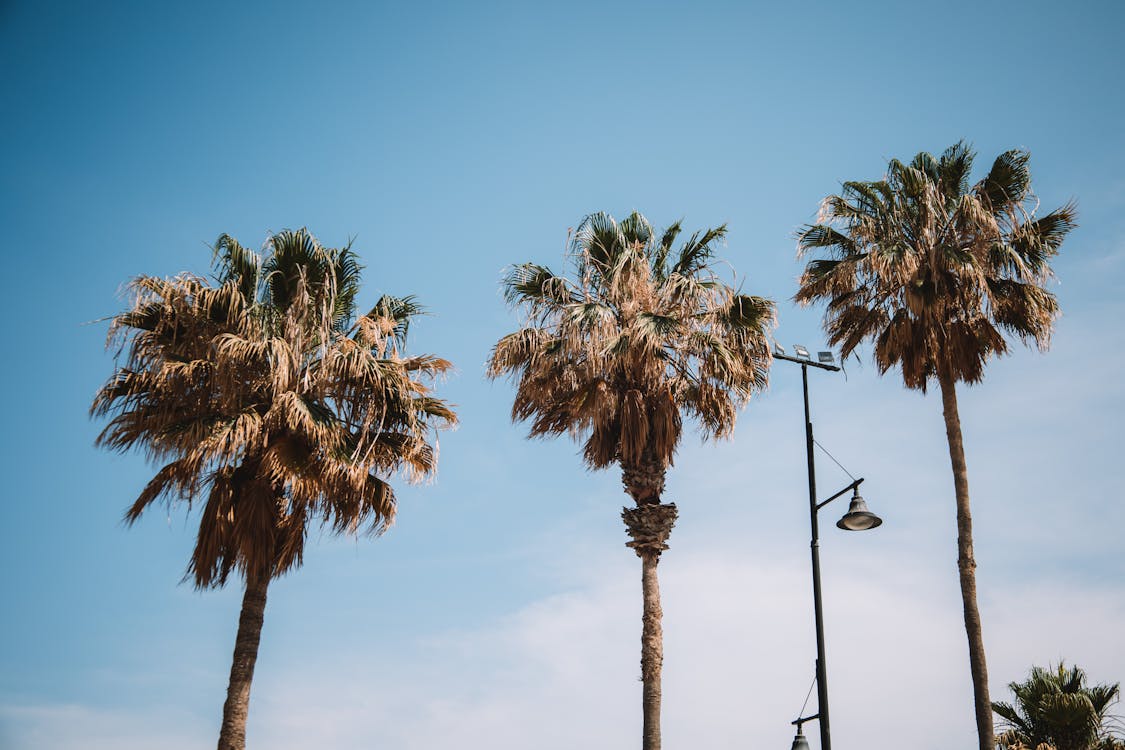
(272, 406)
(639, 336)
(935, 270)
(1055, 707)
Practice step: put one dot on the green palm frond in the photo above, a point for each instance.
(749, 312)
(664, 250)
(1009, 180)
(600, 239)
(821, 235)
(535, 285)
(636, 230)
(393, 316)
(1038, 241)
(348, 271)
(925, 164)
(697, 252)
(953, 169)
(293, 258)
(235, 264)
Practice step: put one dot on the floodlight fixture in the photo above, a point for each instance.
(778, 348)
(826, 358)
(801, 351)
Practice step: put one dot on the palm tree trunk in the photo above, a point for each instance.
(232, 736)
(649, 526)
(966, 565)
(652, 651)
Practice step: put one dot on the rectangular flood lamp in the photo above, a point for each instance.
(826, 358)
(801, 351)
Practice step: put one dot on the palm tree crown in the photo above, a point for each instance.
(935, 270)
(641, 334)
(1056, 707)
(271, 404)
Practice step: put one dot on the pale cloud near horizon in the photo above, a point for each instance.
(561, 672)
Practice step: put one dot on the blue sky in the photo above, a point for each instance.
(453, 139)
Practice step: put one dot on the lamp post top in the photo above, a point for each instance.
(778, 353)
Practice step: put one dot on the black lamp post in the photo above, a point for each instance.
(858, 518)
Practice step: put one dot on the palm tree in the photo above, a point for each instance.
(935, 271)
(639, 336)
(1054, 706)
(271, 405)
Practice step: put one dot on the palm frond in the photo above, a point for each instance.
(696, 253)
(600, 239)
(953, 169)
(1037, 241)
(1008, 181)
(238, 265)
(536, 285)
(664, 250)
(824, 236)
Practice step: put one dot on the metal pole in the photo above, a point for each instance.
(821, 668)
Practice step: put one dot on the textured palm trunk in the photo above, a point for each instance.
(232, 736)
(966, 564)
(649, 525)
(652, 651)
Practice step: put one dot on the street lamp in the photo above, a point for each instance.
(858, 518)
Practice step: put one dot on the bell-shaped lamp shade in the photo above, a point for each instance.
(799, 742)
(858, 517)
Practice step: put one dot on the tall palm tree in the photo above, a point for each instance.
(270, 404)
(640, 335)
(935, 271)
(1054, 706)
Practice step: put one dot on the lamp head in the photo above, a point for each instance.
(800, 742)
(858, 517)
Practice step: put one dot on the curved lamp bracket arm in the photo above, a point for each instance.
(844, 491)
